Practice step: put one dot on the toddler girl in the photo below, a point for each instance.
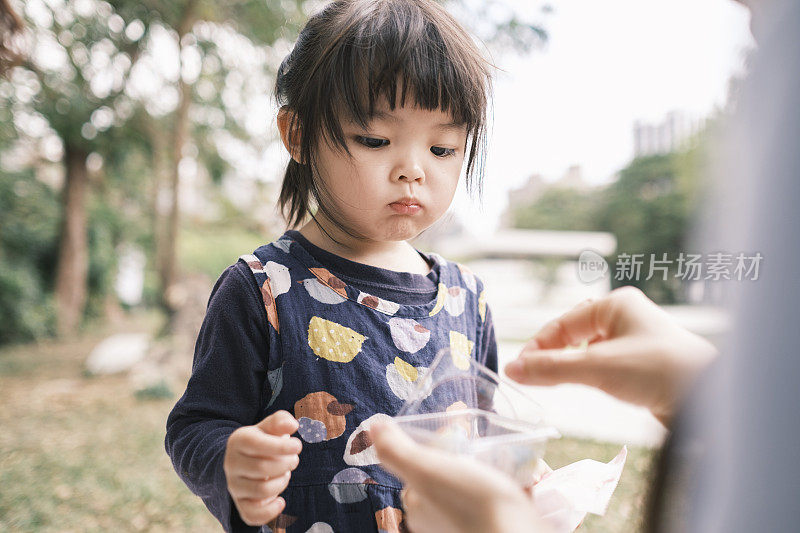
(327, 329)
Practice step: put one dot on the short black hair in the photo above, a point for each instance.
(353, 53)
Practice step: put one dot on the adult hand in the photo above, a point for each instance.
(636, 352)
(447, 493)
(258, 464)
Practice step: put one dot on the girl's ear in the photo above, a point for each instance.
(290, 132)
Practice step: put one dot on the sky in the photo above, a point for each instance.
(606, 65)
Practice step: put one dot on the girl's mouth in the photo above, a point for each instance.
(406, 207)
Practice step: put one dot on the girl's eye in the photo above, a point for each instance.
(440, 151)
(372, 142)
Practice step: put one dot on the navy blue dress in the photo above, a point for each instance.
(345, 344)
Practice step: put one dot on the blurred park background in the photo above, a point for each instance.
(138, 159)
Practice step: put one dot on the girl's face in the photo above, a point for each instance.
(401, 176)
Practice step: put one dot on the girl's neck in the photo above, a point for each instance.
(399, 256)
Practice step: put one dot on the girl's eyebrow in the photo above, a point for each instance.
(450, 126)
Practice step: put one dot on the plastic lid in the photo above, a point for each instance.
(457, 381)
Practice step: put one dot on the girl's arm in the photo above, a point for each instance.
(226, 391)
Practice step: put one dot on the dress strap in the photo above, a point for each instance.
(262, 279)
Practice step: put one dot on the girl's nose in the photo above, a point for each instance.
(410, 171)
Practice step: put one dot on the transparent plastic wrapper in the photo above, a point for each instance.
(460, 406)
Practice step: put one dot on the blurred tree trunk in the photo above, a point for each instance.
(169, 257)
(10, 26)
(73, 253)
(160, 157)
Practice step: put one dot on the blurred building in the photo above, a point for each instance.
(665, 136)
(536, 185)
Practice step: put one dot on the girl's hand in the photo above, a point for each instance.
(446, 493)
(258, 463)
(636, 352)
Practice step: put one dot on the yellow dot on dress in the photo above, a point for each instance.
(329, 345)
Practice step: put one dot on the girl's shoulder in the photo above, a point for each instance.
(272, 260)
(271, 266)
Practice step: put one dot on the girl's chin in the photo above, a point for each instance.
(403, 230)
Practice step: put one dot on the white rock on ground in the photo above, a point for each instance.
(118, 353)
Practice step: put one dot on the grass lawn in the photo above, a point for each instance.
(84, 454)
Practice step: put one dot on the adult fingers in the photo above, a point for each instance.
(623, 310)
(260, 489)
(402, 456)
(583, 322)
(259, 512)
(551, 367)
(254, 442)
(435, 474)
(278, 423)
(422, 515)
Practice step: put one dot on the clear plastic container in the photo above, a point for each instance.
(461, 406)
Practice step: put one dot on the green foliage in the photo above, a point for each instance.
(107, 227)
(211, 249)
(30, 214)
(28, 235)
(649, 209)
(501, 27)
(559, 209)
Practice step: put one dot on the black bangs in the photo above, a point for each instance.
(402, 56)
(355, 54)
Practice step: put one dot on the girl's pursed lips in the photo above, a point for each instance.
(408, 200)
(406, 206)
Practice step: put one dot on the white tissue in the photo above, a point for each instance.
(564, 496)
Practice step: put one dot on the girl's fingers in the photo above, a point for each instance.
(278, 423)
(261, 468)
(241, 487)
(253, 442)
(259, 512)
